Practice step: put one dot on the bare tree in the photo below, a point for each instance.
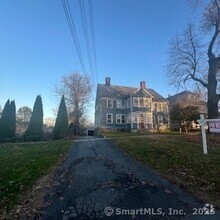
(24, 114)
(77, 89)
(189, 53)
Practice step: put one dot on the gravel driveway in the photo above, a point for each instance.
(102, 182)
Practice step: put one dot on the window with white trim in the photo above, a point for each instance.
(148, 118)
(146, 102)
(135, 101)
(109, 103)
(140, 102)
(141, 117)
(109, 118)
(158, 107)
(134, 117)
(120, 119)
(120, 104)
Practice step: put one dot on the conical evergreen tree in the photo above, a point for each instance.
(8, 120)
(36, 122)
(12, 120)
(61, 125)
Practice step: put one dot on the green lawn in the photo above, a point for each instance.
(120, 134)
(180, 159)
(22, 164)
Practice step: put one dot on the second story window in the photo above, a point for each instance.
(109, 103)
(140, 102)
(135, 102)
(158, 107)
(120, 104)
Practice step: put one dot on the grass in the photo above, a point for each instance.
(180, 159)
(111, 134)
(22, 164)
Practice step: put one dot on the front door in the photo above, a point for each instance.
(141, 122)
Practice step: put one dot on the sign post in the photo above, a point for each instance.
(202, 122)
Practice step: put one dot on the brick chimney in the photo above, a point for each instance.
(142, 85)
(107, 81)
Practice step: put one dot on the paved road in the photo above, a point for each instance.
(101, 181)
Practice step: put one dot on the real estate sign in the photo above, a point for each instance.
(214, 126)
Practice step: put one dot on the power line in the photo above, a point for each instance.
(72, 28)
(85, 29)
(93, 36)
(90, 46)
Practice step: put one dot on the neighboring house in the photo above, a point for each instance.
(127, 108)
(187, 98)
(184, 99)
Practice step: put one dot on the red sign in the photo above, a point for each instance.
(214, 126)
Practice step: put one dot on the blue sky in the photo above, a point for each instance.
(36, 48)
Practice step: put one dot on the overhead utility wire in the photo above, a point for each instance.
(86, 34)
(93, 36)
(72, 28)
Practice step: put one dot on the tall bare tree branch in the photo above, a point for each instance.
(77, 89)
(189, 54)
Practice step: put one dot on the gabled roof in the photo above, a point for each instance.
(142, 93)
(123, 92)
(180, 94)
